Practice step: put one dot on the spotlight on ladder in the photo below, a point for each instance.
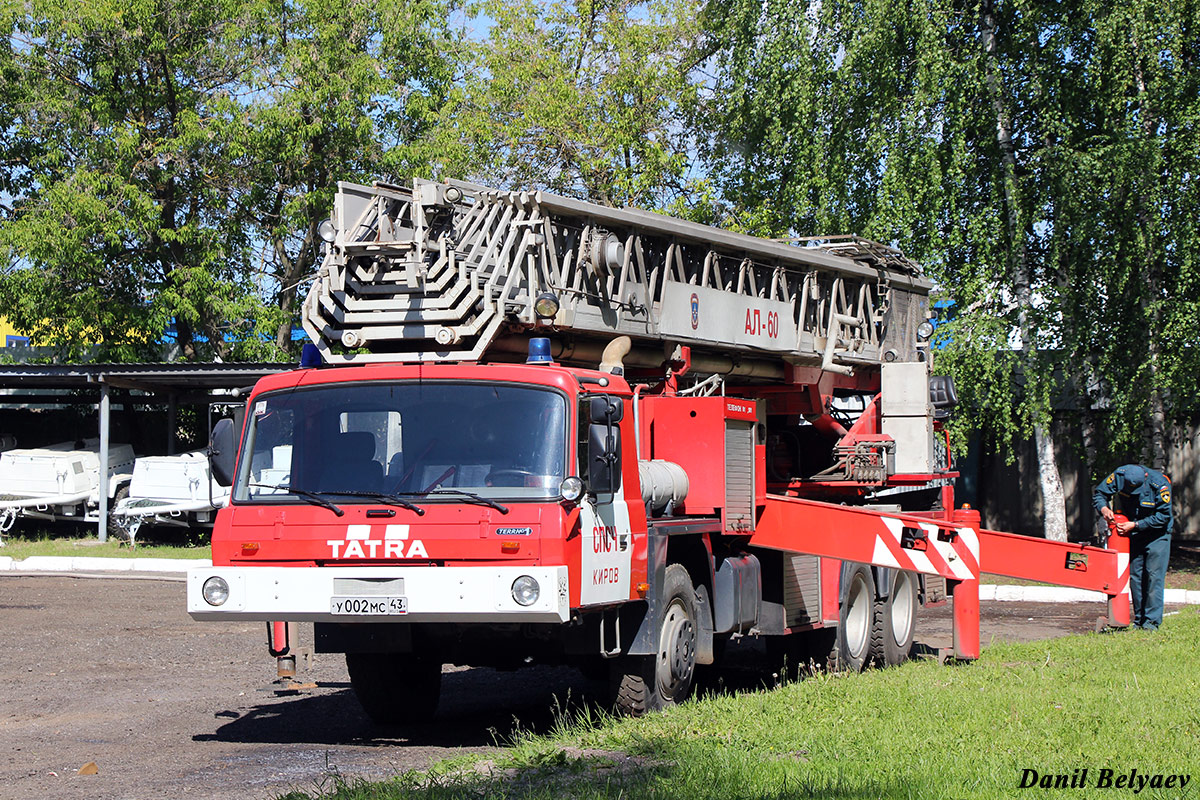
(545, 306)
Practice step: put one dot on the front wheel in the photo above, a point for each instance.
(651, 683)
(395, 688)
(895, 620)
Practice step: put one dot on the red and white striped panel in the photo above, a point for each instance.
(957, 559)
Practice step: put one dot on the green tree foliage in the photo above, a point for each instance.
(121, 224)
(1127, 187)
(586, 99)
(343, 91)
(1037, 156)
(178, 158)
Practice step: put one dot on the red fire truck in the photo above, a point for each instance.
(535, 430)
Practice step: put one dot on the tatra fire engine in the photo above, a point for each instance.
(535, 430)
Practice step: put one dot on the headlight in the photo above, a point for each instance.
(215, 591)
(525, 590)
(925, 330)
(571, 489)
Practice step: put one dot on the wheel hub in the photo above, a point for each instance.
(677, 657)
(902, 604)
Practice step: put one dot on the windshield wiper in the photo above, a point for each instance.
(312, 497)
(469, 496)
(384, 497)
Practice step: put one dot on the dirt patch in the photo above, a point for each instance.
(113, 671)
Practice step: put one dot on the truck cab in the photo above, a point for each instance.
(431, 510)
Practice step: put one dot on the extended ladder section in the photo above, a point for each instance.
(454, 271)
(951, 546)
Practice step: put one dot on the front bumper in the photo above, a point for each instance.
(434, 594)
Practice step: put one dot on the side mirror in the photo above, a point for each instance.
(604, 410)
(604, 458)
(604, 443)
(222, 452)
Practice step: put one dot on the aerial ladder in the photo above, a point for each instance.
(455, 271)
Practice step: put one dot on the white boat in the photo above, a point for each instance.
(170, 490)
(61, 481)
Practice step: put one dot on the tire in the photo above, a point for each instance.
(395, 688)
(118, 524)
(895, 620)
(650, 683)
(856, 618)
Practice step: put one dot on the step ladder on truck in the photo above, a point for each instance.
(536, 430)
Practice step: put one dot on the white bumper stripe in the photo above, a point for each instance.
(435, 594)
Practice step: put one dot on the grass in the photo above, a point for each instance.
(24, 543)
(1117, 701)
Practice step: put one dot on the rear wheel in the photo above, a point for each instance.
(650, 683)
(856, 618)
(895, 620)
(395, 688)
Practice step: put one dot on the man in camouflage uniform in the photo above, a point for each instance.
(1143, 495)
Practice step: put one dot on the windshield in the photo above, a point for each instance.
(418, 440)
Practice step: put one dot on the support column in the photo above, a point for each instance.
(104, 424)
(172, 405)
(1118, 604)
(966, 618)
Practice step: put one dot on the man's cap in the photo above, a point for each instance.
(1133, 476)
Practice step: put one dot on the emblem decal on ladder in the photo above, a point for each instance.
(362, 541)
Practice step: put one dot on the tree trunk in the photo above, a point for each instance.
(292, 271)
(1053, 500)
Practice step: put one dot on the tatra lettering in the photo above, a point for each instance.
(371, 548)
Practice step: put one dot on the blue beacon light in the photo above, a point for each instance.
(539, 351)
(310, 356)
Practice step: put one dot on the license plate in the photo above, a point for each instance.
(368, 606)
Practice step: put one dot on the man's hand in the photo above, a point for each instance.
(1125, 528)
(1107, 513)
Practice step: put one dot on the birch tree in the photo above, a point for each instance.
(923, 125)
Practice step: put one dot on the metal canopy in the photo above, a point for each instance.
(167, 380)
(153, 378)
